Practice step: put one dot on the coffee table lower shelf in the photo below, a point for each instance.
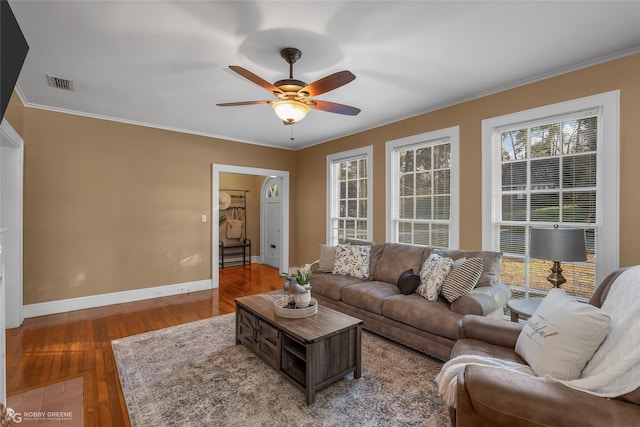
(312, 352)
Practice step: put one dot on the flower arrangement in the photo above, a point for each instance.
(298, 282)
(300, 279)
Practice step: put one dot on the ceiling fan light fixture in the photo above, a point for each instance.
(293, 103)
(290, 111)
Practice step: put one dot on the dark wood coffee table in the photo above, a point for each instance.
(313, 352)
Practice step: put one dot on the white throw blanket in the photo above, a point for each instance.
(614, 369)
(447, 378)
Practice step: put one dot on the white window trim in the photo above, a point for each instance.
(332, 185)
(392, 177)
(608, 172)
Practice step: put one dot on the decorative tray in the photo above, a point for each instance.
(281, 308)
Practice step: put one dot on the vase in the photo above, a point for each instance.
(303, 299)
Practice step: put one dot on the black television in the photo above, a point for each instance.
(13, 51)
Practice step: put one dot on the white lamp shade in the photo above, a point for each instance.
(558, 244)
(291, 111)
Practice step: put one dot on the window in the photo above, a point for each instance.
(349, 195)
(273, 191)
(422, 192)
(551, 166)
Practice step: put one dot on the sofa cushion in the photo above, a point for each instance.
(354, 241)
(352, 260)
(562, 336)
(472, 347)
(408, 282)
(414, 310)
(434, 270)
(461, 279)
(491, 263)
(330, 286)
(374, 258)
(632, 397)
(396, 258)
(369, 295)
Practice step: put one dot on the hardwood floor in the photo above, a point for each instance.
(53, 348)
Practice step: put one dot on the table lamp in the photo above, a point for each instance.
(557, 245)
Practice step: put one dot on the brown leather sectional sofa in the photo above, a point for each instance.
(427, 326)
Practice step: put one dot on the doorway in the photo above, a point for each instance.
(270, 219)
(283, 222)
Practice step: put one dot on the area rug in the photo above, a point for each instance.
(194, 375)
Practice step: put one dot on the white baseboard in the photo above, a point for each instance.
(81, 303)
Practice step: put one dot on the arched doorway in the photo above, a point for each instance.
(270, 221)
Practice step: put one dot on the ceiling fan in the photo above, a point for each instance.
(293, 97)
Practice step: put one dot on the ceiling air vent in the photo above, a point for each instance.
(59, 82)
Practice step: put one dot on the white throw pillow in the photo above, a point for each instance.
(562, 335)
(352, 261)
(434, 270)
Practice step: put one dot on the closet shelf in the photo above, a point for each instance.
(232, 250)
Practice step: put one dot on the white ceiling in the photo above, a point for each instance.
(165, 63)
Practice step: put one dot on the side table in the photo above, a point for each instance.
(523, 307)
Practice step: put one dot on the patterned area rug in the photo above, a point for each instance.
(194, 375)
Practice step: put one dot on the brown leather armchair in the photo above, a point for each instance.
(488, 396)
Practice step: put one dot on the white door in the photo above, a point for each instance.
(271, 222)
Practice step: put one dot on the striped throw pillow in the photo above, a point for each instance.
(462, 279)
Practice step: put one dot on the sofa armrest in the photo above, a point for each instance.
(493, 331)
(503, 398)
(483, 300)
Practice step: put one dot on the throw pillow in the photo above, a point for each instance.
(491, 263)
(462, 279)
(327, 256)
(352, 260)
(562, 335)
(432, 275)
(408, 282)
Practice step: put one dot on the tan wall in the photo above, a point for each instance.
(112, 207)
(622, 74)
(253, 185)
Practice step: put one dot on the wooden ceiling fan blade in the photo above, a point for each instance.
(329, 83)
(254, 78)
(233, 104)
(334, 107)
